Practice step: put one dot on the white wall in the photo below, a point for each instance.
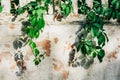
(56, 40)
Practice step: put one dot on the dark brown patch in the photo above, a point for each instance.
(46, 45)
(65, 74)
(70, 46)
(112, 55)
(118, 46)
(58, 65)
(12, 26)
(55, 39)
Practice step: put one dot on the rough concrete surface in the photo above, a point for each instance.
(56, 40)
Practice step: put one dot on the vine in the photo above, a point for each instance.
(0, 6)
(34, 25)
(90, 37)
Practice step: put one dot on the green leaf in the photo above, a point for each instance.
(97, 25)
(117, 5)
(95, 31)
(108, 13)
(33, 21)
(114, 2)
(41, 23)
(114, 15)
(1, 8)
(31, 33)
(20, 11)
(87, 49)
(100, 55)
(67, 11)
(40, 11)
(63, 5)
(101, 40)
(32, 44)
(37, 34)
(89, 43)
(83, 49)
(36, 61)
(93, 54)
(36, 52)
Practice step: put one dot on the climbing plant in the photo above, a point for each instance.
(113, 10)
(33, 26)
(90, 37)
(0, 6)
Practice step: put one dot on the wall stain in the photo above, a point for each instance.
(46, 45)
(12, 26)
(112, 55)
(56, 39)
(59, 66)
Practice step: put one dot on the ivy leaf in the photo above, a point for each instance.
(41, 23)
(117, 5)
(32, 44)
(63, 5)
(37, 34)
(89, 43)
(95, 32)
(20, 11)
(31, 33)
(33, 21)
(114, 15)
(37, 61)
(101, 40)
(93, 54)
(36, 52)
(40, 11)
(114, 2)
(67, 11)
(100, 55)
(1, 8)
(97, 25)
(83, 49)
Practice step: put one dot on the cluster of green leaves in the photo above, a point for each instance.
(113, 10)
(66, 7)
(0, 6)
(93, 27)
(98, 6)
(36, 52)
(33, 26)
(14, 3)
(91, 37)
(83, 8)
(35, 23)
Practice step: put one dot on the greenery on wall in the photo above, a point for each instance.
(90, 37)
(0, 6)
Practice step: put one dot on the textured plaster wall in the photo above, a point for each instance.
(56, 40)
